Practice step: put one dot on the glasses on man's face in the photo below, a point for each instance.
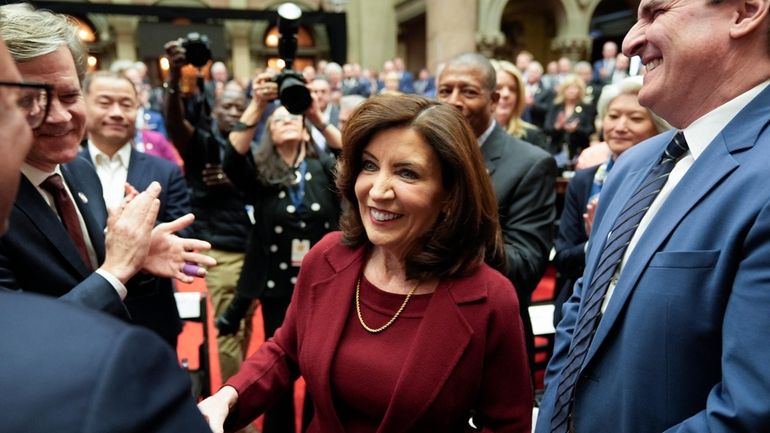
(34, 99)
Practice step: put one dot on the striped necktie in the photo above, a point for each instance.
(590, 313)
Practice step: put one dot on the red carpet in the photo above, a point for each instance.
(192, 337)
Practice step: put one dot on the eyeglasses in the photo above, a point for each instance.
(286, 118)
(34, 99)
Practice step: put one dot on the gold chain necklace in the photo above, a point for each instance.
(392, 319)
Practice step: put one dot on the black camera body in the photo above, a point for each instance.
(197, 49)
(292, 91)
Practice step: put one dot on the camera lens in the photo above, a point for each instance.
(197, 51)
(294, 95)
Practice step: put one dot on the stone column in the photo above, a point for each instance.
(372, 32)
(125, 35)
(451, 29)
(240, 45)
(574, 47)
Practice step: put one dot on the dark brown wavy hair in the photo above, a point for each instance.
(465, 235)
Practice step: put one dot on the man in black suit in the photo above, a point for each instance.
(111, 110)
(539, 96)
(58, 238)
(67, 368)
(522, 175)
(321, 90)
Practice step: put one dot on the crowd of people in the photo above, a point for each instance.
(393, 230)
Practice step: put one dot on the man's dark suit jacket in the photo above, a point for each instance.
(523, 178)
(71, 369)
(143, 169)
(543, 99)
(37, 255)
(570, 258)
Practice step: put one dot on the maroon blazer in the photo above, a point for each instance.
(467, 357)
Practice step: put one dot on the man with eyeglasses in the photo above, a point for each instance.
(57, 244)
(33, 100)
(66, 368)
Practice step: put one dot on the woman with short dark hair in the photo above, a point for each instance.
(400, 322)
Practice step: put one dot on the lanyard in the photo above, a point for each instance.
(600, 176)
(297, 190)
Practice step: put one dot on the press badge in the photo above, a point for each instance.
(298, 250)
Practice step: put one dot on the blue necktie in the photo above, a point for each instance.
(617, 242)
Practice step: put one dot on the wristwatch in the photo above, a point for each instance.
(240, 126)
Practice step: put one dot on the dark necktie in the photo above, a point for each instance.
(67, 213)
(620, 236)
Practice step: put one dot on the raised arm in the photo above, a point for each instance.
(180, 131)
(263, 90)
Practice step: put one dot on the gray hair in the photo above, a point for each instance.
(351, 102)
(628, 86)
(31, 33)
(476, 61)
(121, 65)
(582, 65)
(332, 67)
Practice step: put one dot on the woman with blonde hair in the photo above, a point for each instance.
(570, 122)
(510, 106)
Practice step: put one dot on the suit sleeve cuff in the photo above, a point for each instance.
(114, 282)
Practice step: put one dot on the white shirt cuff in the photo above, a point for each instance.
(114, 282)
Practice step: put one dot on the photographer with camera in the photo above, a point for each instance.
(223, 218)
(292, 184)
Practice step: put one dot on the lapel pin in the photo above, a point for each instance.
(83, 198)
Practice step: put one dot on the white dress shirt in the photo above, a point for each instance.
(112, 171)
(485, 135)
(698, 136)
(318, 136)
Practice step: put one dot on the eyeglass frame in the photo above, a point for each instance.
(34, 85)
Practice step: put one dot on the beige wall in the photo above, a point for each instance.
(451, 27)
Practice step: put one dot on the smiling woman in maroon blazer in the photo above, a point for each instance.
(399, 323)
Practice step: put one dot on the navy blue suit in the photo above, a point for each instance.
(70, 369)
(37, 255)
(174, 199)
(570, 258)
(682, 346)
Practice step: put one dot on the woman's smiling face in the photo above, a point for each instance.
(399, 189)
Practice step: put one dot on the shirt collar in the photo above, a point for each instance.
(487, 133)
(123, 154)
(703, 131)
(36, 175)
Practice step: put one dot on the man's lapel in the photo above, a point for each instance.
(709, 170)
(44, 218)
(493, 149)
(90, 202)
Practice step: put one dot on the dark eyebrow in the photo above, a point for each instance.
(647, 9)
(368, 154)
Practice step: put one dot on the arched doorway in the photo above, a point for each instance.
(305, 49)
(611, 21)
(530, 26)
